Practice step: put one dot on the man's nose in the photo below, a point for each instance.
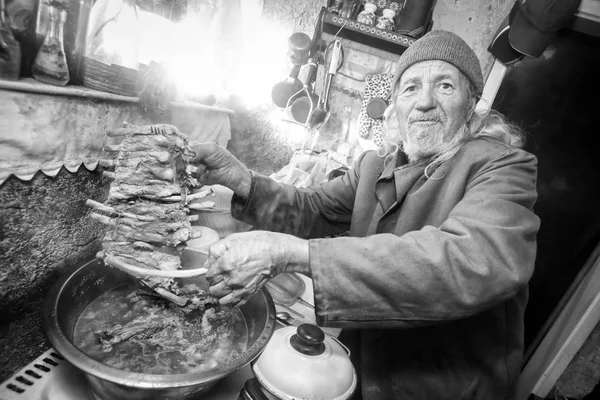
(426, 99)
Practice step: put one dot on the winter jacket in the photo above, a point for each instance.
(430, 286)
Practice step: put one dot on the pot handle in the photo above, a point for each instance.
(347, 350)
(252, 391)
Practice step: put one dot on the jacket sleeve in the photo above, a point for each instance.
(481, 255)
(323, 210)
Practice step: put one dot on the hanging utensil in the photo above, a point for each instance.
(320, 114)
(305, 100)
(299, 46)
(284, 90)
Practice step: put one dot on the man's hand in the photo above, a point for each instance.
(242, 263)
(223, 168)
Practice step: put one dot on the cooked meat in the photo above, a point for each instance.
(147, 201)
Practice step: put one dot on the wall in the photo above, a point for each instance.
(265, 146)
(44, 229)
(43, 225)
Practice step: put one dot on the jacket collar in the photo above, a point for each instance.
(399, 163)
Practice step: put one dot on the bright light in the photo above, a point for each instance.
(115, 36)
(199, 68)
(191, 53)
(262, 62)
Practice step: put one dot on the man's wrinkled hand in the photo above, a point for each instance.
(242, 263)
(223, 168)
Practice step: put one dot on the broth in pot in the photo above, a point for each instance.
(132, 329)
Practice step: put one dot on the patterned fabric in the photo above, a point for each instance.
(377, 86)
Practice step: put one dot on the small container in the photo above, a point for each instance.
(367, 16)
(50, 65)
(386, 21)
(336, 7)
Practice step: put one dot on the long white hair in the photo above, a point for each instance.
(482, 123)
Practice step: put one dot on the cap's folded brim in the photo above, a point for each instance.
(500, 47)
(526, 38)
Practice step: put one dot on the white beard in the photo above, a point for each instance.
(426, 141)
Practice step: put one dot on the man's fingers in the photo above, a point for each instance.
(217, 262)
(235, 298)
(220, 289)
(203, 150)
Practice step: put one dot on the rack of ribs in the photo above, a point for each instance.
(147, 209)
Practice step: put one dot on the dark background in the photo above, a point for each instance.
(556, 99)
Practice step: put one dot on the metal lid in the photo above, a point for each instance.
(304, 363)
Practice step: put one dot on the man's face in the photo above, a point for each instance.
(431, 106)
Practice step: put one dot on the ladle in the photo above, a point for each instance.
(320, 114)
(289, 309)
(305, 100)
(285, 318)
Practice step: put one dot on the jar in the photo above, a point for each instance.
(367, 16)
(386, 21)
(50, 65)
(10, 54)
(336, 7)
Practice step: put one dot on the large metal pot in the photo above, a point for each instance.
(71, 295)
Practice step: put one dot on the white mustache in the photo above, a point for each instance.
(427, 118)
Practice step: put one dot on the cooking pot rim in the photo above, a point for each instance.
(87, 364)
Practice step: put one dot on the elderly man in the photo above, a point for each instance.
(430, 285)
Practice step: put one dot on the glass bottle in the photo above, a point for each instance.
(10, 49)
(50, 65)
(386, 21)
(367, 16)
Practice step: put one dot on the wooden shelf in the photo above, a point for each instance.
(30, 85)
(369, 35)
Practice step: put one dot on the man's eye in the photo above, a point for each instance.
(446, 86)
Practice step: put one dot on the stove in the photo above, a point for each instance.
(51, 377)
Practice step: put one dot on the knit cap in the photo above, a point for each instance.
(444, 46)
